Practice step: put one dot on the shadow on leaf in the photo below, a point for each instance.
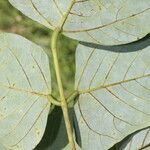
(55, 136)
(131, 47)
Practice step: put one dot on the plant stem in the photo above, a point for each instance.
(64, 104)
(72, 96)
(53, 100)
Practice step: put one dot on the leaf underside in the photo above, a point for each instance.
(68, 147)
(114, 86)
(114, 94)
(103, 22)
(137, 141)
(24, 86)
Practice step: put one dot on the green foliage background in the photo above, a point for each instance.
(13, 21)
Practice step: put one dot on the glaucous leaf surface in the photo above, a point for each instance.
(24, 87)
(69, 148)
(114, 92)
(137, 141)
(106, 22)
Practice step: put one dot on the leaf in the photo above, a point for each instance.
(137, 141)
(104, 22)
(114, 92)
(55, 137)
(24, 87)
(69, 148)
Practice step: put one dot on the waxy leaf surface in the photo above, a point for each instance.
(105, 22)
(114, 89)
(24, 87)
(137, 141)
(68, 147)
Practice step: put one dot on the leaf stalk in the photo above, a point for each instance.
(64, 104)
(53, 100)
(72, 96)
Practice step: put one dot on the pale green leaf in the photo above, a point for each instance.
(104, 22)
(137, 141)
(24, 86)
(68, 147)
(114, 92)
